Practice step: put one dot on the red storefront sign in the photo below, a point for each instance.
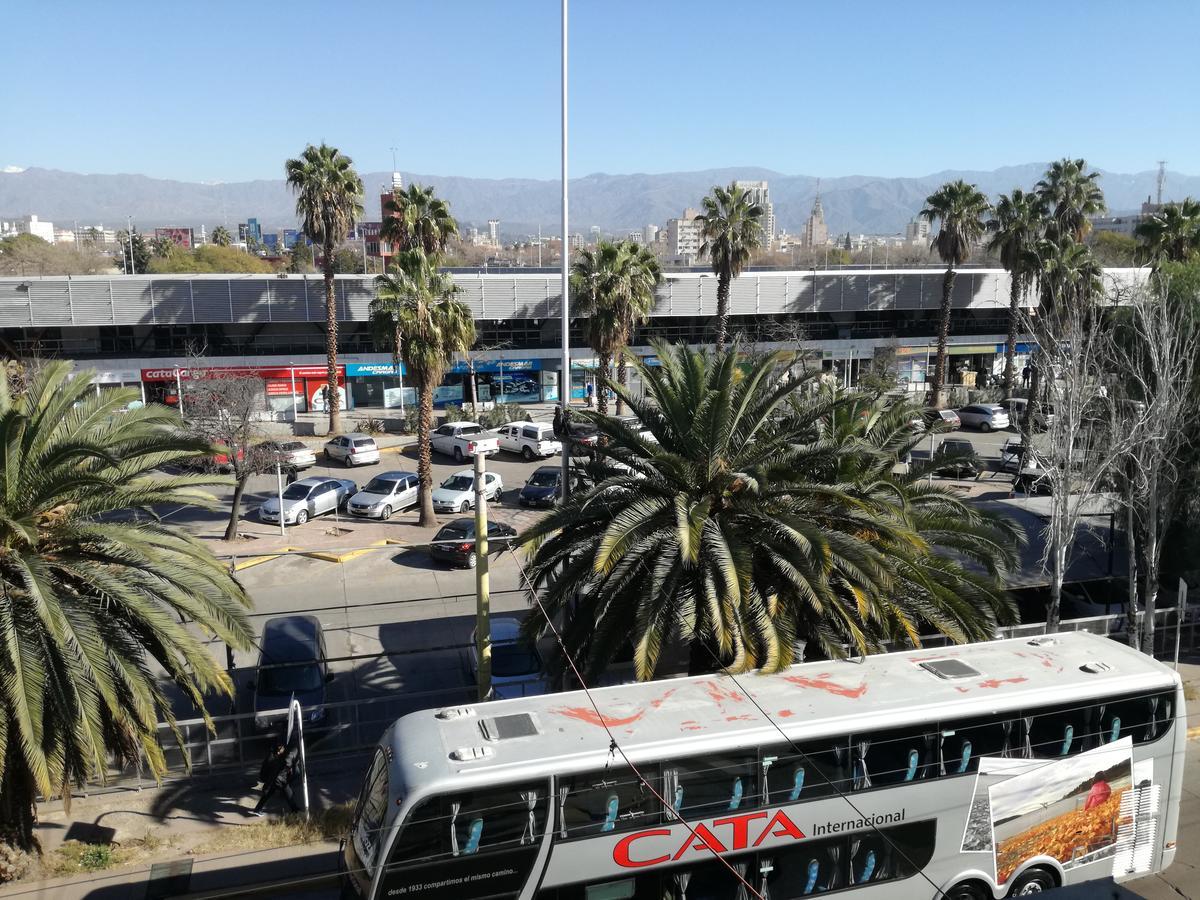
(264, 372)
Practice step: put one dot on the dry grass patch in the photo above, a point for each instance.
(325, 825)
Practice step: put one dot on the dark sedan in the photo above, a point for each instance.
(542, 487)
(455, 542)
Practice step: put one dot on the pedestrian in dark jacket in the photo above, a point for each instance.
(557, 424)
(278, 770)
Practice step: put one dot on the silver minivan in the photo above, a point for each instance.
(385, 494)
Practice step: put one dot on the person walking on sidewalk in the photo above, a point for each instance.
(557, 425)
(278, 771)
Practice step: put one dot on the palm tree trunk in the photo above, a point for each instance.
(425, 456)
(605, 373)
(331, 345)
(939, 369)
(1010, 348)
(235, 511)
(622, 379)
(722, 310)
(18, 798)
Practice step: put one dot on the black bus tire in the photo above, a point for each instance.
(1036, 880)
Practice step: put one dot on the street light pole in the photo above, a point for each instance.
(565, 390)
(129, 235)
(483, 626)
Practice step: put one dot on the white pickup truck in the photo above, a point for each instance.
(463, 439)
(530, 439)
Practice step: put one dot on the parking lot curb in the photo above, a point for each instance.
(354, 554)
(259, 560)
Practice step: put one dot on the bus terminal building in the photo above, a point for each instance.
(150, 331)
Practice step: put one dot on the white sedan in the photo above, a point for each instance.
(457, 493)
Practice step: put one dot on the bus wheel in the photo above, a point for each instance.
(968, 890)
(1033, 881)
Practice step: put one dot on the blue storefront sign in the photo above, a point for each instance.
(1021, 348)
(498, 365)
(383, 369)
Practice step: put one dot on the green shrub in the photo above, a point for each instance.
(453, 413)
(372, 425)
(96, 856)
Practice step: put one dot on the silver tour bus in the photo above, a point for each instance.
(981, 771)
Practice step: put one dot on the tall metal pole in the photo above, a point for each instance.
(279, 489)
(129, 234)
(483, 627)
(565, 391)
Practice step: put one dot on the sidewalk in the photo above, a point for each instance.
(179, 819)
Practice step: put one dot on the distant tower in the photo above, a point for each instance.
(816, 232)
(494, 232)
(1162, 176)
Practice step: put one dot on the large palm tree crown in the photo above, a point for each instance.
(745, 525)
(93, 605)
(1017, 223)
(418, 218)
(329, 193)
(435, 325)
(1172, 233)
(959, 208)
(731, 227)
(1071, 194)
(601, 287)
(1067, 273)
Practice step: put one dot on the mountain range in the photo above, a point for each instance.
(615, 203)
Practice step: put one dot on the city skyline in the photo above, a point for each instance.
(239, 105)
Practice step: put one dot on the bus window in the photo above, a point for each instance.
(912, 847)
(471, 822)
(713, 880)
(820, 769)
(595, 802)
(1059, 731)
(372, 805)
(965, 742)
(710, 785)
(813, 867)
(1141, 718)
(894, 757)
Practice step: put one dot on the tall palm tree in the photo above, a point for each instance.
(221, 236)
(601, 285)
(732, 229)
(644, 274)
(1070, 194)
(329, 197)
(960, 209)
(435, 326)
(93, 605)
(1172, 233)
(1017, 224)
(1067, 273)
(743, 527)
(418, 218)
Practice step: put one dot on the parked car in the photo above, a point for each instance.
(457, 493)
(957, 458)
(634, 423)
(455, 542)
(463, 439)
(530, 439)
(984, 416)
(930, 416)
(308, 497)
(291, 454)
(218, 461)
(292, 664)
(385, 494)
(516, 663)
(583, 437)
(1043, 415)
(352, 450)
(1033, 479)
(541, 489)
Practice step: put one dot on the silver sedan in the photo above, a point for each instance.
(308, 497)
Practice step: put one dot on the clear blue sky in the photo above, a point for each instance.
(225, 91)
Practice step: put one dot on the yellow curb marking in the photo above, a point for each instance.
(354, 554)
(259, 560)
(1193, 732)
